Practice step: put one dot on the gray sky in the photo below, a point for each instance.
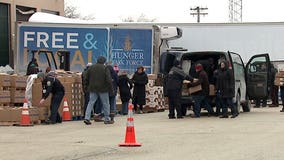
(178, 10)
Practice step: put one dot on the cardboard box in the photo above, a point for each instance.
(194, 89)
(43, 113)
(14, 114)
(18, 81)
(5, 80)
(279, 75)
(17, 96)
(37, 95)
(5, 96)
(279, 81)
(211, 90)
(152, 76)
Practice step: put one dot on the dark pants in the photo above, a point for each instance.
(174, 97)
(55, 104)
(274, 95)
(200, 101)
(135, 104)
(226, 103)
(219, 103)
(262, 101)
(86, 99)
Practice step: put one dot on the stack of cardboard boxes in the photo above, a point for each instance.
(12, 94)
(155, 100)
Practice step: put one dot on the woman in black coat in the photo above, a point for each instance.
(226, 87)
(139, 80)
(125, 86)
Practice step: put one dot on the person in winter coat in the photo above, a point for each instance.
(125, 86)
(200, 97)
(85, 87)
(226, 87)
(113, 92)
(174, 86)
(99, 84)
(139, 80)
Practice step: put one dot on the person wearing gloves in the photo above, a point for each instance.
(50, 84)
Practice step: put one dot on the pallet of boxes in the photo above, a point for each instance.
(12, 95)
(73, 95)
(155, 100)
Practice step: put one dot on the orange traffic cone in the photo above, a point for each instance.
(130, 140)
(66, 116)
(25, 119)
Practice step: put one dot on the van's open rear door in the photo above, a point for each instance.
(257, 76)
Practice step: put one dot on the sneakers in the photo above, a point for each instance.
(234, 116)
(109, 122)
(87, 122)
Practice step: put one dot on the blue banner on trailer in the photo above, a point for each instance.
(130, 48)
(84, 44)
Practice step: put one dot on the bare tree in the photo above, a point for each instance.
(72, 12)
(141, 18)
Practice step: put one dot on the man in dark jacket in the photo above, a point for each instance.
(226, 87)
(174, 87)
(99, 84)
(50, 84)
(200, 97)
(139, 79)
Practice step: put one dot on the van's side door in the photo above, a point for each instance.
(257, 76)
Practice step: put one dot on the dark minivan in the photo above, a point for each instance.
(251, 80)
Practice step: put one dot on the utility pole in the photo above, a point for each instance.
(198, 11)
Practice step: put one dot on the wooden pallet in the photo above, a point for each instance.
(17, 123)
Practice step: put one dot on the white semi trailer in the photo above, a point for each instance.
(243, 38)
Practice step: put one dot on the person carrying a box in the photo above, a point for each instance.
(200, 97)
(50, 84)
(174, 87)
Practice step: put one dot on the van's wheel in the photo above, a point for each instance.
(247, 105)
(238, 103)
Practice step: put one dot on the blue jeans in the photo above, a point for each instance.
(104, 97)
(124, 108)
(200, 101)
(112, 102)
(228, 102)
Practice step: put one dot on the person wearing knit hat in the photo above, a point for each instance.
(200, 97)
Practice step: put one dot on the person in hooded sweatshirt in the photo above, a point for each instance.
(201, 97)
(174, 86)
(226, 87)
(139, 80)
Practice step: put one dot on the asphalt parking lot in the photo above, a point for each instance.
(257, 135)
